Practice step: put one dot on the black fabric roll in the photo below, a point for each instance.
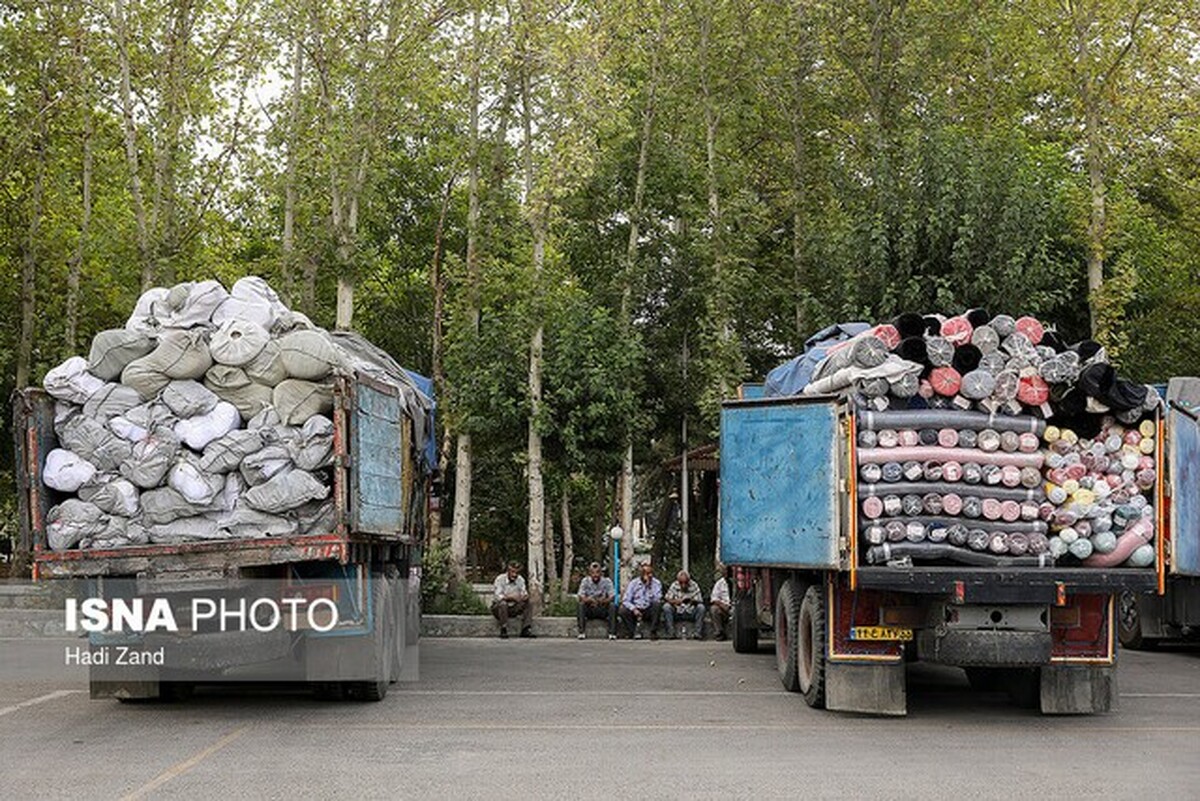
(1053, 340)
(928, 436)
(933, 326)
(910, 325)
(978, 317)
(1097, 380)
(1087, 349)
(950, 418)
(966, 358)
(913, 349)
(1125, 396)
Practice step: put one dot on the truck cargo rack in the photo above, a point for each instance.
(1006, 585)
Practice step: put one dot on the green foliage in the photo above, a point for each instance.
(559, 605)
(440, 595)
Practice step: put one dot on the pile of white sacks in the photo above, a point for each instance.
(206, 417)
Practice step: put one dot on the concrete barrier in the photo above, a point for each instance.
(486, 626)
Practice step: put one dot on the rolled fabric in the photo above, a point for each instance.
(968, 438)
(1010, 511)
(1080, 548)
(994, 362)
(892, 472)
(938, 351)
(925, 390)
(873, 387)
(992, 474)
(998, 542)
(972, 474)
(928, 436)
(1010, 441)
(988, 441)
(907, 438)
(875, 535)
(947, 437)
(1029, 510)
(972, 507)
(872, 508)
(887, 334)
(894, 530)
(931, 471)
(957, 535)
(1020, 495)
(1038, 543)
(952, 503)
(908, 324)
(978, 539)
(922, 454)
(957, 330)
(1056, 547)
(991, 509)
(958, 419)
(870, 473)
(868, 439)
(1031, 328)
(888, 438)
(913, 470)
(912, 505)
(892, 505)
(1018, 543)
(1032, 390)
(985, 338)
(931, 504)
(1027, 443)
(952, 471)
(1030, 478)
(982, 524)
(906, 386)
(914, 532)
(1146, 446)
(978, 384)
(1010, 476)
(1143, 556)
(1003, 325)
(946, 381)
(938, 534)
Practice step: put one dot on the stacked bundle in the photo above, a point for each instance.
(206, 417)
(951, 465)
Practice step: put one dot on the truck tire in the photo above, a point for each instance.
(1129, 622)
(810, 642)
(787, 616)
(382, 644)
(745, 625)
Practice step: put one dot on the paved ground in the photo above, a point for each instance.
(518, 719)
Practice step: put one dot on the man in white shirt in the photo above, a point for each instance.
(720, 604)
(510, 598)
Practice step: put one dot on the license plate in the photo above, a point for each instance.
(880, 633)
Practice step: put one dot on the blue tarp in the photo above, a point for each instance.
(425, 385)
(790, 378)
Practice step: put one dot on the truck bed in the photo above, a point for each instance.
(1005, 584)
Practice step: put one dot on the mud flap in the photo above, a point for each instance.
(876, 689)
(1078, 689)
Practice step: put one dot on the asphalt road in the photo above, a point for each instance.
(560, 718)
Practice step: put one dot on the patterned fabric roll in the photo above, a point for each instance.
(912, 505)
(888, 438)
(947, 438)
(968, 438)
(1010, 511)
(913, 471)
(957, 535)
(952, 504)
(972, 507)
(875, 535)
(1029, 511)
(972, 473)
(895, 531)
(991, 509)
(914, 532)
(992, 474)
(1028, 443)
(868, 438)
(998, 542)
(892, 472)
(977, 539)
(952, 471)
(908, 438)
(932, 471)
(939, 533)
(871, 473)
(1007, 383)
(931, 503)
(1038, 544)
(872, 508)
(1010, 476)
(892, 505)
(1030, 477)
(928, 436)
(989, 441)
(1010, 441)
(957, 330)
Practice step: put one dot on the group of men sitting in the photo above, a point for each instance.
(641, 609)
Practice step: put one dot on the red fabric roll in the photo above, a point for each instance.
(946, 381)
(957, 330)
(1031, 328)
(1032, 390)
(887, 334)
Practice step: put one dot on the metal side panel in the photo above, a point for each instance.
(378, 452)
(1183, 433)
(779, 501)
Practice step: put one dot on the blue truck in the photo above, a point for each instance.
(364, 565)
(844, 629)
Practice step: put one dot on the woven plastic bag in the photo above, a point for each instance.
(285, 491)
(113, 350)
(71, 381)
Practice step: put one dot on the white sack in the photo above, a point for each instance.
(199, 431)
(111, 401)
(308, 355)
(267, 367)
(113, 350)
(244, 523)
(285, 491)
(147, 466)
(226, 453)
(296, 400)
(313, 449)
(166, 504)
(186, 529)
(114, 496)
(93, 441)
(232, 385)
(66, 471)
(238, 342)
(189, 399)
(71, 521)
(150, 306)
(192, 304)
(251, 299)
(260, 467)
(71, 381)
(198, 487)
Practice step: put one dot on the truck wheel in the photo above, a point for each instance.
(810, 639)
(745, 625)
(1129, 622)
(787, 616)
(382, 645)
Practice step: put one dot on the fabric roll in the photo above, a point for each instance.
(1018, 543)
(952, 471)
(988, 526)
(892, 472)
(929, 551)
(972, 474)
(927, 436)
(912, 505)
(1010, 476)
(892, 505)
(952, 504)
(938, 351)
(947, 438)
(966, 358)
(894, 530)
(991, 474)
(957, 330)
(1003, 325)
(875, 535)
(870, 473)
(991, 509)
(994, 362)
(998, 542)
(931, 472)
(914, 532)
(868, 439)
(873, 387)
(972, 507)
(908, 325)
(957, 535)
(978, 384)
(907, 438)
(872, 508)
(946, 381)
(985, 338)
(1030, 477)
(1031, 328)
(1032, 390)
(968, 438)
(1010, 511)
(968, 420)
(938, 534)
(1027, 443)
(1038, 543)
(906, 386)
(888, 438)
(931, 504)
(938, 454)
(988, 441)
(1010, 441)
(978, 539)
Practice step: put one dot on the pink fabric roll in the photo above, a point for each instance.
(943, 455)
(946, 381)
(1010, 476)
(991, 508)
(948, 437)
(888, 438)
(907, 438)
(957, 330)
(872, 508)
(925, 389)
(1031, 328)
(1028, 443)
(887, 334)
(952, 504)
(1029, 511)
(1076, 471)
(952, 472)
(1010, 511)
(1137, 535)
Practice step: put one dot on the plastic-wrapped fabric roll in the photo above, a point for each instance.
(887, 438)
(1010, 511)
(931, 504)
(1136, 536)
(1038, 543)
(1018, 543)
(991, 509)
(994, 362)
(1143, 556)
(906, 386)
(939, 351)
(914, 532)
(1003, 325)
(912, 505)
(1068, 535)
(1080, 548)
(1020, 495)
(892, 505)
(873, 386)
(1010, 441)
(872, 508)
(988, 441)
(870, 473)
(931, 551)
(985, 338)
(972, 473)
(1057, 547)
(972, 507)
(1007, 384)
(968, 439)
(998, 542)
(938, 454)
(1027, 443)
(946, 437)
(978, 539)
(952, 471)
(988, 526)
(1031, 328)
(1029, 510)
(952, 503)
(992, 474)
(913, 470)
(895, 530)
(875, 535)
(938, 533)
(957, 330)
(978, 384)
(1032, 390)
(958, 419)
(892, 472)
(908, 438)
(1010, 476)
(927, 436)
(957, 535)
(868, 438)
(932, 472)
(1030, 478)
(946, 381)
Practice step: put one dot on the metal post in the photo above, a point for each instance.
(684, 499)
(616, 541)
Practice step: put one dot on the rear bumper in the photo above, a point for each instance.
(1006, 585)
(968, 648)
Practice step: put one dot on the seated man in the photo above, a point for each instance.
(643, 603)
(596, 601)
(720, 603)
(684, 601)
(512, 598)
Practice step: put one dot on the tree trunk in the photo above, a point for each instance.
(145, 257)
(568, 543)
(719, 306)
(75, 265)
(29, 259)
(551, 556)
(288, 262)
(461, 529)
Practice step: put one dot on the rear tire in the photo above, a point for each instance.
(1129, 622)
(787, 617)
(745, 625)
(810, 641)
(383, 643)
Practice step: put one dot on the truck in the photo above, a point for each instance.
(844, 630)
(361, 571)
(1145, 619)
